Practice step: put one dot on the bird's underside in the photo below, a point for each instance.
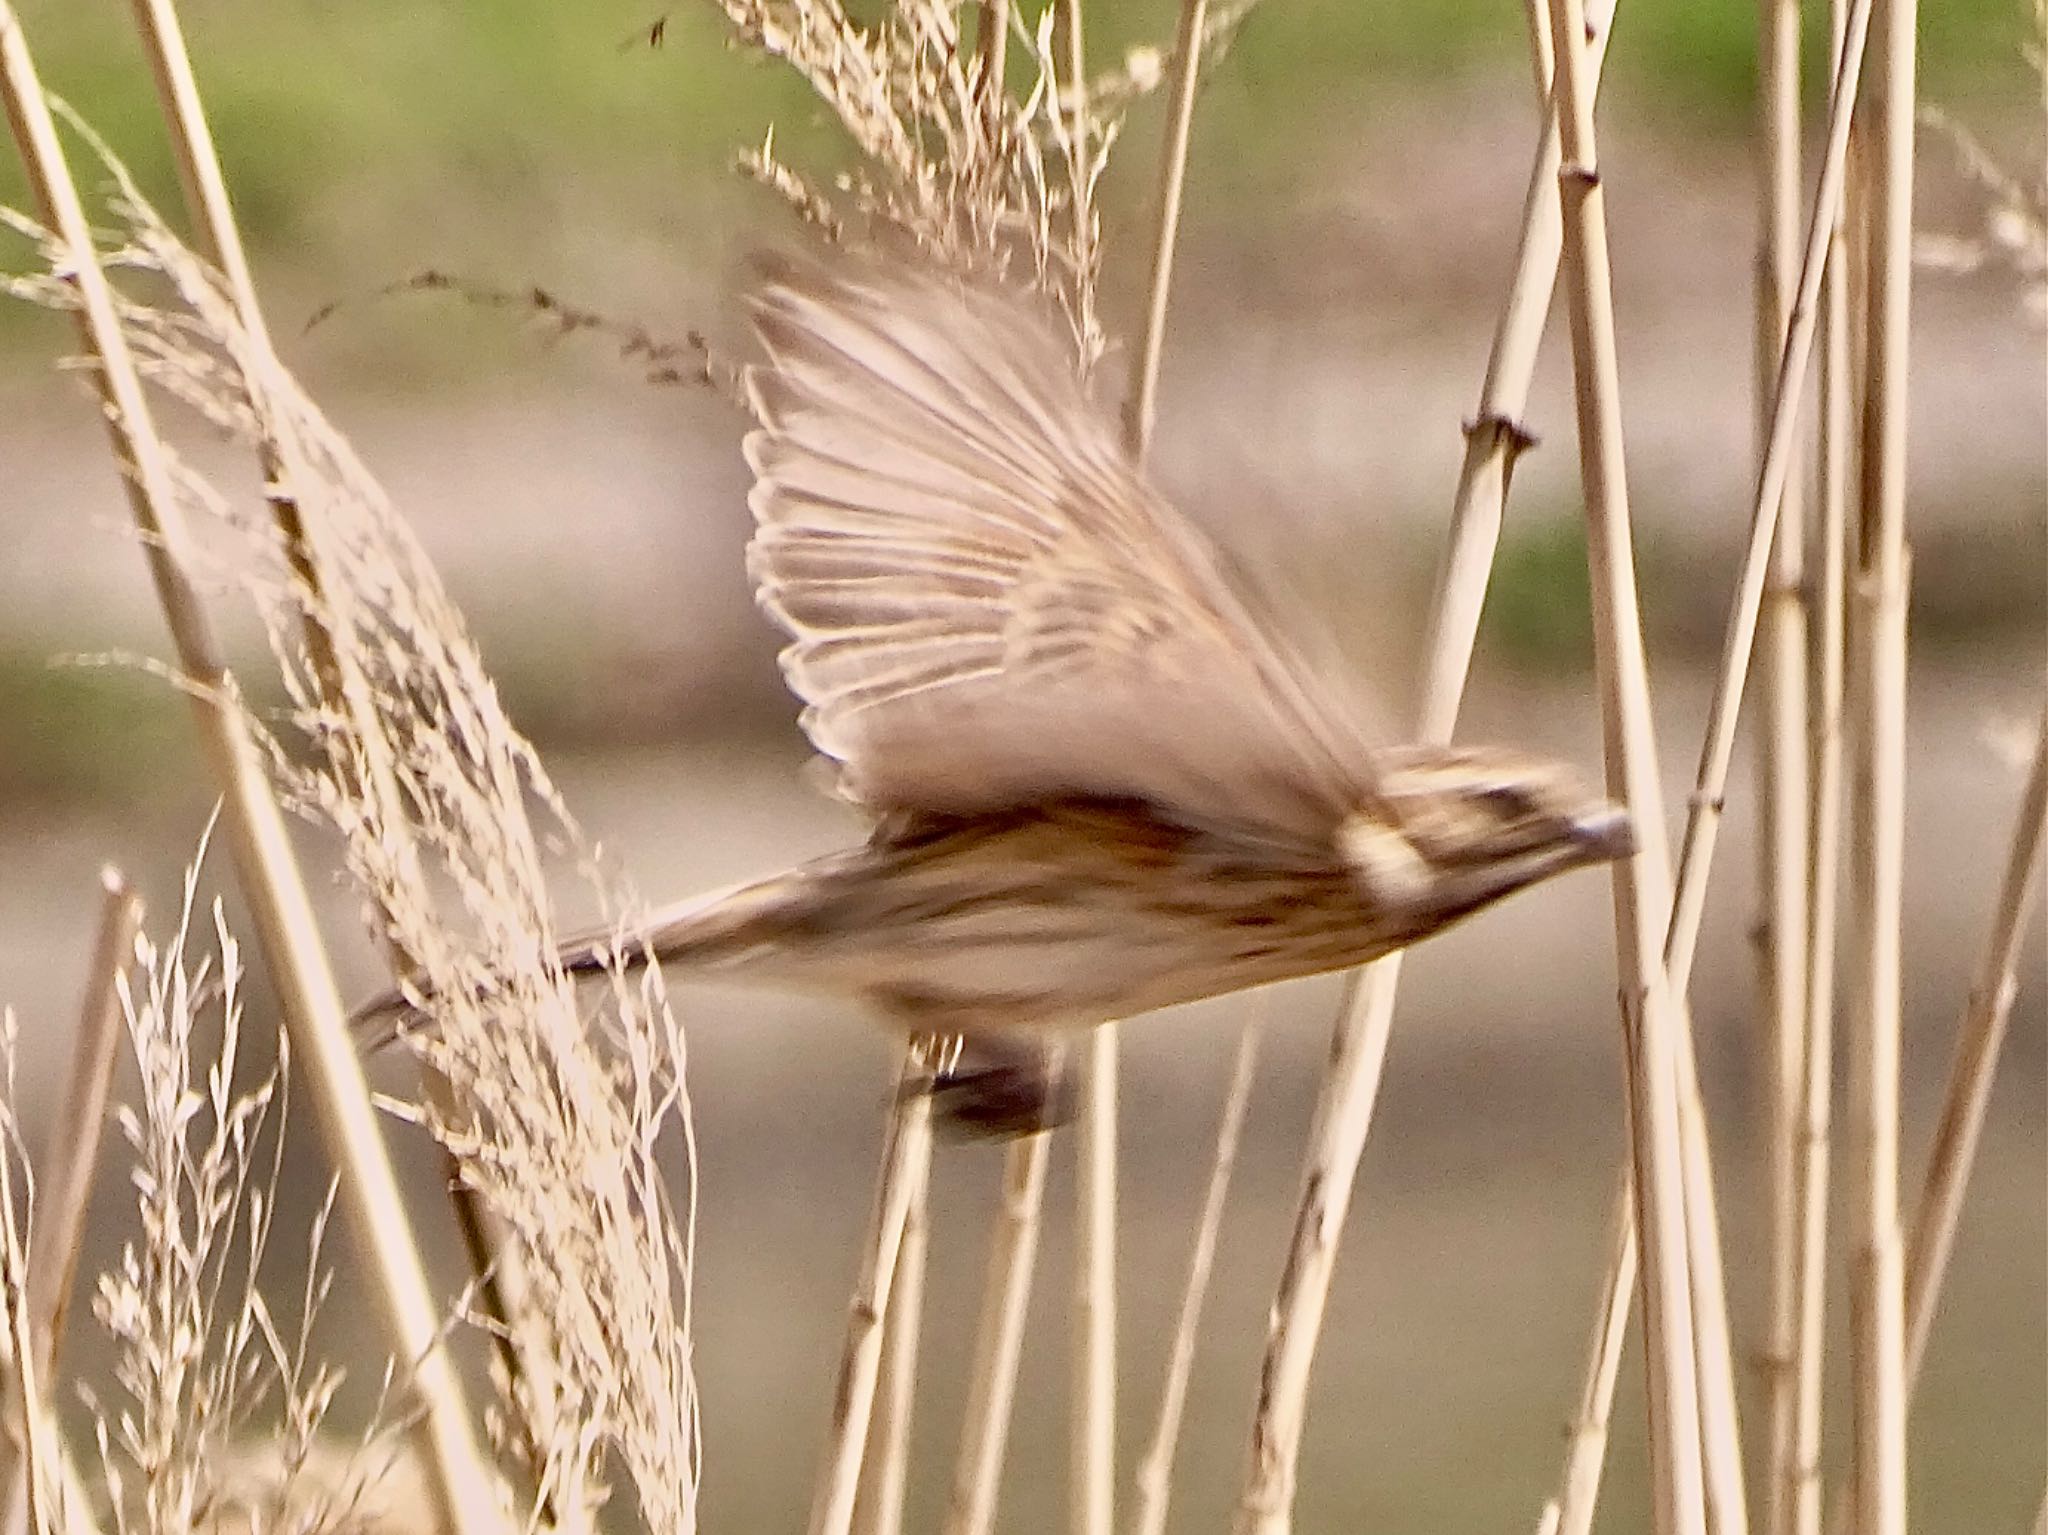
(1043, 918)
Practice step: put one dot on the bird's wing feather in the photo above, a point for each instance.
(987, 604)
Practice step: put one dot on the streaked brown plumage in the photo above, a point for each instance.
(1101, 786)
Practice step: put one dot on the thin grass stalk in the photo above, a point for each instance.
(1783, 789)
(1642, 883)
(2041, 1516)
(1496, 437)
(999, 1340)
(1091, 1423)
(1155, 1468)
(1570, 1512)
(993, 45)
(39, 1451)
(71, 1149)
(515, 1332)
(1091, 1487)
(1713, 1346)
(905, 1166)
(1773, 476)
(1350, 1090)
(885, 1470)
(462, 1484)
(1877, 1293)
(1141, 405)
(1140, 415)
(70, 1163)
(1968, 1094)
(1797, 1492)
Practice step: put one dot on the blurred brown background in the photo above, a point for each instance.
(1357, 180)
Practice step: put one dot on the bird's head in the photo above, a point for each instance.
(1453, 828)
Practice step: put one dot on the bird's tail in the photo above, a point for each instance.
(726, 931)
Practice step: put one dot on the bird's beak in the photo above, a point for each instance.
(1605, 833)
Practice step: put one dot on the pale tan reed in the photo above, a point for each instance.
(1351, 1084)
(885, 1469)
(1570, 1510)
(999, 1340)
(1967, 1097)
(1091, 1423)
(1681, 938)
(1154, 1483)
(1796, 1492)
(1783, 798)
(1642, 885)
(1877, 1290)
(905, 1169)
(285, 928)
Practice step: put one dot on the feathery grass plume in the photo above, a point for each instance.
(200, 1357)
(976, 177)
(563, 1138)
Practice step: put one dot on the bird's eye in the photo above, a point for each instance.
(1508, 800)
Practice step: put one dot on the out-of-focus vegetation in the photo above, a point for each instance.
(372, 116)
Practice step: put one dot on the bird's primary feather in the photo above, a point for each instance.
(988, 606)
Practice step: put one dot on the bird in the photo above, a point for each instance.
(1100, 782)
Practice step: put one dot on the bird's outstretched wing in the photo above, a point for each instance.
(987, 603)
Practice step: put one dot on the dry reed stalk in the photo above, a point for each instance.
(1495, 436)
(1773, 477)
(1141, 403)
(1681, 938)
(1877, 1292)
(1968, 1095)
(1155, 1468)
(1783, 789)
(271, 884)
(1092, 1492)
(1344, 1108)
(999, 1340)
(517, 1333)
(885, 1470)
(70, 1164)
(1091, 1423)
(1642, 884)
(905, 1167)
(1796, 1491)
(1570, 1512)
(1091, 1487)
(1801, 1493)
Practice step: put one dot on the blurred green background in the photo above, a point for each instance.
(1357, 180)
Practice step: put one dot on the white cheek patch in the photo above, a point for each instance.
(1390, 873)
